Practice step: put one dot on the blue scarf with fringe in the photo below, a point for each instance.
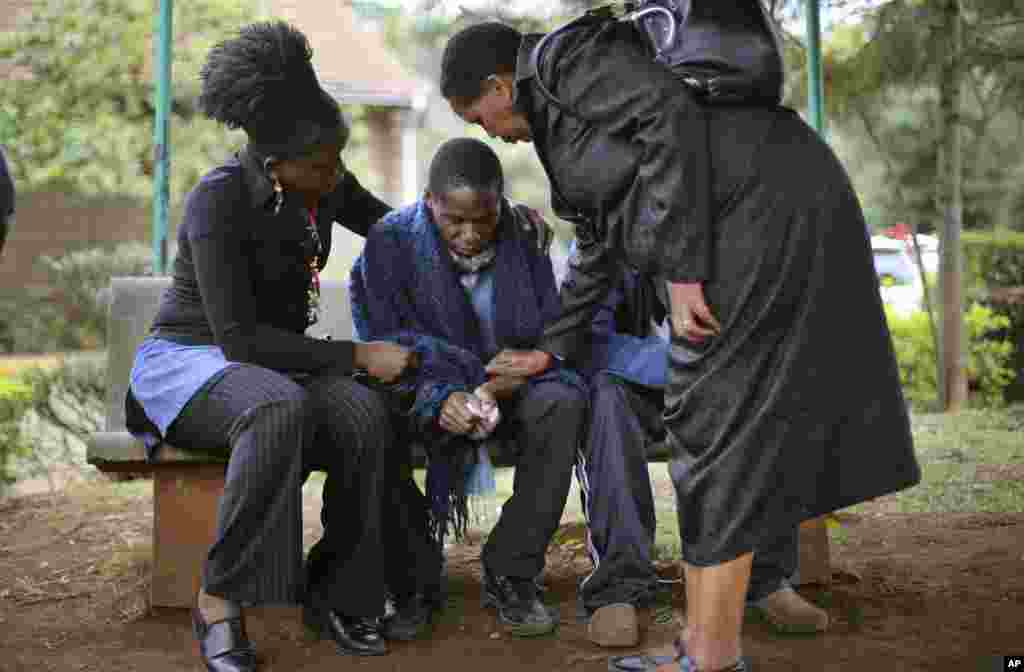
(405, 288)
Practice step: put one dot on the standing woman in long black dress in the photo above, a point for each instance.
(227, 365)
(783, 400)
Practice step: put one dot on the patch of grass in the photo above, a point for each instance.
(838, 535)
(100, 496)
(14, 365)
(962, 458)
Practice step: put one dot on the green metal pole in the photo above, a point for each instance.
(161, 147)
(815, 94)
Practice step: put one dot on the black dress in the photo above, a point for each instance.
(795, 409)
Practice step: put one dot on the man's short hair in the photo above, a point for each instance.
(465, 163)
(475, 53)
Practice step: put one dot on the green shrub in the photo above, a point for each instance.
(73, 316)
(988, 358)
(62, 406)
(1014, 333)
(15, 398)
(994, 260)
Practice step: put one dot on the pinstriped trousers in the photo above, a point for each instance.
(275, 431)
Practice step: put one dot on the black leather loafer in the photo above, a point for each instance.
(224, 646)
(353, 636)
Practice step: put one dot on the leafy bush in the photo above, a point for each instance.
(995, 263)
(14, 401)
(73, 316)
(64, 404)
(1014, 333)
(988, 358)
(994, 258)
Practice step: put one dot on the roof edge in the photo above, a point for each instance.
(349, 96)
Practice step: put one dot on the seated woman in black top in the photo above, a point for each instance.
(227, 364)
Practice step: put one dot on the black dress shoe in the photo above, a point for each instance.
(411, 618)
(520, 611)
(353, 636)
(224, 646)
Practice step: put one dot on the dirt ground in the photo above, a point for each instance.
(909, 592)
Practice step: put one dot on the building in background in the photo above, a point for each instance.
(354, 65)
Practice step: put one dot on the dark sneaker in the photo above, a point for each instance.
(410, 619)
(520, 611)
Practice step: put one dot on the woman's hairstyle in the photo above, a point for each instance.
(465, 163)
(263, 82)
(475, 53)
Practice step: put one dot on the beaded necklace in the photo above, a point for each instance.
(313, 290)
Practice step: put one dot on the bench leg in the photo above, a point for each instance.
(815, 565)
(184, 522)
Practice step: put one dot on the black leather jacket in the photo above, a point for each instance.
(628, 160)
(635, 162)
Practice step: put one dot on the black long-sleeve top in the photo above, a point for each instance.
(240, 277)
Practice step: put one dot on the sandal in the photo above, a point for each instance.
(647, 663)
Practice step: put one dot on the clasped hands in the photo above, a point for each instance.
(476, 414)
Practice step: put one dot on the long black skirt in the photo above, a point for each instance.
(795, 409)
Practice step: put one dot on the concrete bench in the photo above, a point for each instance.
(186, 485)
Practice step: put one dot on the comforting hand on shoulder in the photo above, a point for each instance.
(534, 223)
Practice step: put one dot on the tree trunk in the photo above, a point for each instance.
(953, 372)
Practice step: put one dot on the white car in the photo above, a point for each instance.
(898, 277)
(929, 251)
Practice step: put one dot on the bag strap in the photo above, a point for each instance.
(625, 11)
(598, 14)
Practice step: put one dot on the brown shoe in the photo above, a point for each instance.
(789, 613)
(614, 625)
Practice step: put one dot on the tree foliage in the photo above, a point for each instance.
(82, 119)
(882, 85)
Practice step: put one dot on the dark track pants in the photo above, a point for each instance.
(616, 492)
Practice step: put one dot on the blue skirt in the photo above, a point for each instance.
(166, 375)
